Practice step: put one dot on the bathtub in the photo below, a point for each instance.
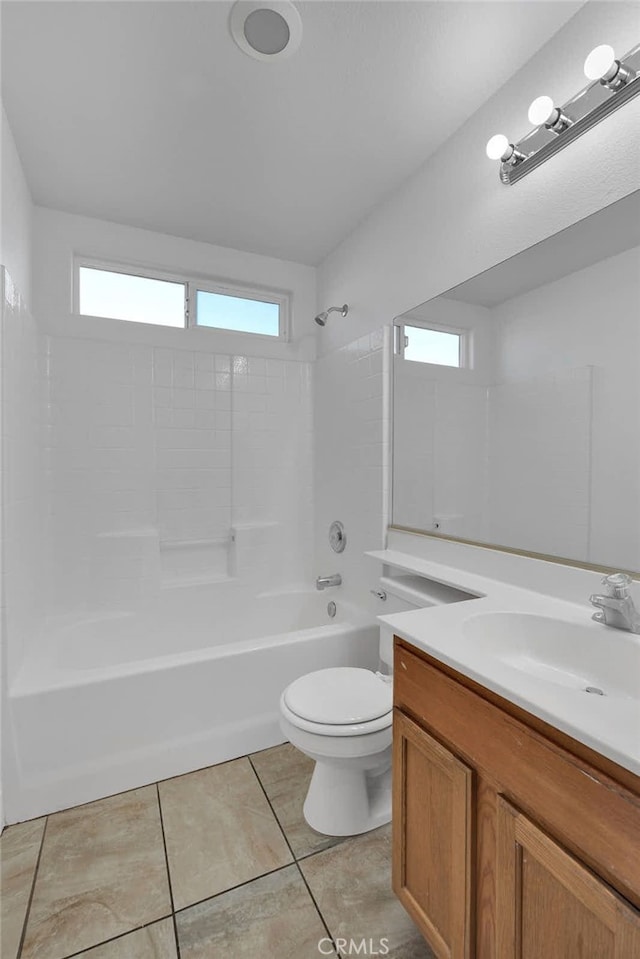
(110, 703)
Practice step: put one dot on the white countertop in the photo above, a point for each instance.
(608, 724)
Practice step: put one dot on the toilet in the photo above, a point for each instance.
(342, 718)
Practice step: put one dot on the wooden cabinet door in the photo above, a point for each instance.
(549, 905)
(432, 817)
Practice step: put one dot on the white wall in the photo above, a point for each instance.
(161, 442)
(454, 218)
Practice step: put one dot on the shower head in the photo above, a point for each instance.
(321, 318)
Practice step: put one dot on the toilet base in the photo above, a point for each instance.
(347, 802)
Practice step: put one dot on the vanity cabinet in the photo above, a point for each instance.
(432, 866)
(510, 840)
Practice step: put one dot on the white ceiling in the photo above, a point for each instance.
(148, 114)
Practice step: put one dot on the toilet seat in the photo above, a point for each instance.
(343, 701)
(333, 730)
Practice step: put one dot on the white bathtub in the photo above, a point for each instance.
(112, 703)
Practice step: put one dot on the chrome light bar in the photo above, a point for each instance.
(615, 82)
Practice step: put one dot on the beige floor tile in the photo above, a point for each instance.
(285, 773)
(153, 942)
(102, 873)
(351, 884)
(220, 831)
(19, 848)
(271, 918)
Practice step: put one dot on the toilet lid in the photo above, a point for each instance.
(339, 696)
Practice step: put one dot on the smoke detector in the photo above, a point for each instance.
(266, 29)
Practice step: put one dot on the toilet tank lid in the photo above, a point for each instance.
(339, 696)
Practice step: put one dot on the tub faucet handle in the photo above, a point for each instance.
(380, 593)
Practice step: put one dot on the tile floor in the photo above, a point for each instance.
(219, 862)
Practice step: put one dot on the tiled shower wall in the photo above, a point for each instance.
(167, 467)
(352, 455)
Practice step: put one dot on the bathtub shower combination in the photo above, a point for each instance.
(116, 702)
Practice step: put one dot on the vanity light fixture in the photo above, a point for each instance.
(601, 64)
(613, 82)
(543, 111)
(499, 148)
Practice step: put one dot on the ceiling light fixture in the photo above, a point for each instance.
(614, 82)
(266, 30)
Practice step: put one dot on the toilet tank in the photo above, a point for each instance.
(409, 591)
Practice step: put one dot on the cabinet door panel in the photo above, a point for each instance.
(432, 838)
(549, 904)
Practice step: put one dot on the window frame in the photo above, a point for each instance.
(107, 266)
(191, 283)
(465, 342)
(259, 294)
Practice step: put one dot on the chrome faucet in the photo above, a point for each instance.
(323, 582)
(616, 606)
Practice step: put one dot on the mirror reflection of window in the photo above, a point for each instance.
(424, 345)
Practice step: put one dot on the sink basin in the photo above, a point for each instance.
(569, 654)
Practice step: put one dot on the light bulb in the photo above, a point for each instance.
(497, 146)
(599, 62)
(541, 111)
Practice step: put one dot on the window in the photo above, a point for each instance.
(165, 300)
(229, 312)
(423, 344)
(126, 296)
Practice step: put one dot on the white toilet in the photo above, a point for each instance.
(342, 719)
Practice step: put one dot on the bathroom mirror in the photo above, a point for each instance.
(516, 400)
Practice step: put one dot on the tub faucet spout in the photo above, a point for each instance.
(323, 582)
